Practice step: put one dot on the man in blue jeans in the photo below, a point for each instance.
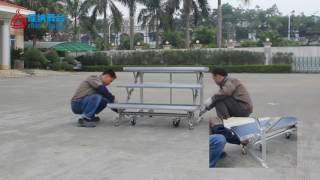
(216, 145)
(92, 96)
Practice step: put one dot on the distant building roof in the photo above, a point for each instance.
(41, 45)
(12, 8)
(73, 47)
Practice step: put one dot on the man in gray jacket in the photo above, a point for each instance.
(232, 100)
(92, 96)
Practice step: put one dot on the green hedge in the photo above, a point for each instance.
(175, 57)
(100, 68)
(190, 57)
(280, 68)
(94, 59)
(230, 68)
(52, 56)
(34, 58)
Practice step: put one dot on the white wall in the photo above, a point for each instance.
(301, 51)
(4, 45)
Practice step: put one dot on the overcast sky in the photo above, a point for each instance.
(308, 7)
(285, 6)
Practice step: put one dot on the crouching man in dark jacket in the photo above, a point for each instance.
(232, 100)
(92, 96)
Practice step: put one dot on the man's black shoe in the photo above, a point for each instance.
(83, 122)
(95, 119)
(115, 110)
(223, 155)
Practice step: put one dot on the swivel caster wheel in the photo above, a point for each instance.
(191, 126)
(151, 111)
(176, 123)
(288, 135)
(243, 150)
(133, 121)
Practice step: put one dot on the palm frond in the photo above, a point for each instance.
(196, 13)
(116, 15)
(204, 6)
(246, 2)
(143, 12)
(85, 6)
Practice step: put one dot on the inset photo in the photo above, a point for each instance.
(238, 137)
(254, 142)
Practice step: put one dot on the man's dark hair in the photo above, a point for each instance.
(110, 72)
(219, 71)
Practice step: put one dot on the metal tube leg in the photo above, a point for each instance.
(264, 144)
(190, 120)
(194, 96)
(128, 94)
(202, 87)
(170, 88)
(141, 89)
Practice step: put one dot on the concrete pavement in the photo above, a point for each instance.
(39, 138)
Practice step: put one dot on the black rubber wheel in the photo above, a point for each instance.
(133, 121)
(176, 123)
(150, 111)
(288, 135)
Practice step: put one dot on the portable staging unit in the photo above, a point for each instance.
(177, 111)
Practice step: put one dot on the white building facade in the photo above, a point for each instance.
(7, 11)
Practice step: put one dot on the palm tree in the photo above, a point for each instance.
(100, 7)
(40, 5)
(88, 25)
(152, 16)
(198, 8)
(132, 5)
(219, 31)
(74, 8)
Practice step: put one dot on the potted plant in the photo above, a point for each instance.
(197, 44)
(18, 62)
(166, 45)
(139, 46)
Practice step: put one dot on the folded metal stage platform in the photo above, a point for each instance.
(259, 130)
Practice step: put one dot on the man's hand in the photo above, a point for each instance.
(114, 99)
(205, 107)
(203, 110)
(208, 102)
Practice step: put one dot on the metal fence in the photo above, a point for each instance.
(306, 64)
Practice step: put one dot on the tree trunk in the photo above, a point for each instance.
(219, 32)
(105, 27)
(75, 34)
(131, 31)
(187, 7)
(157, 34)
(34, 40)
